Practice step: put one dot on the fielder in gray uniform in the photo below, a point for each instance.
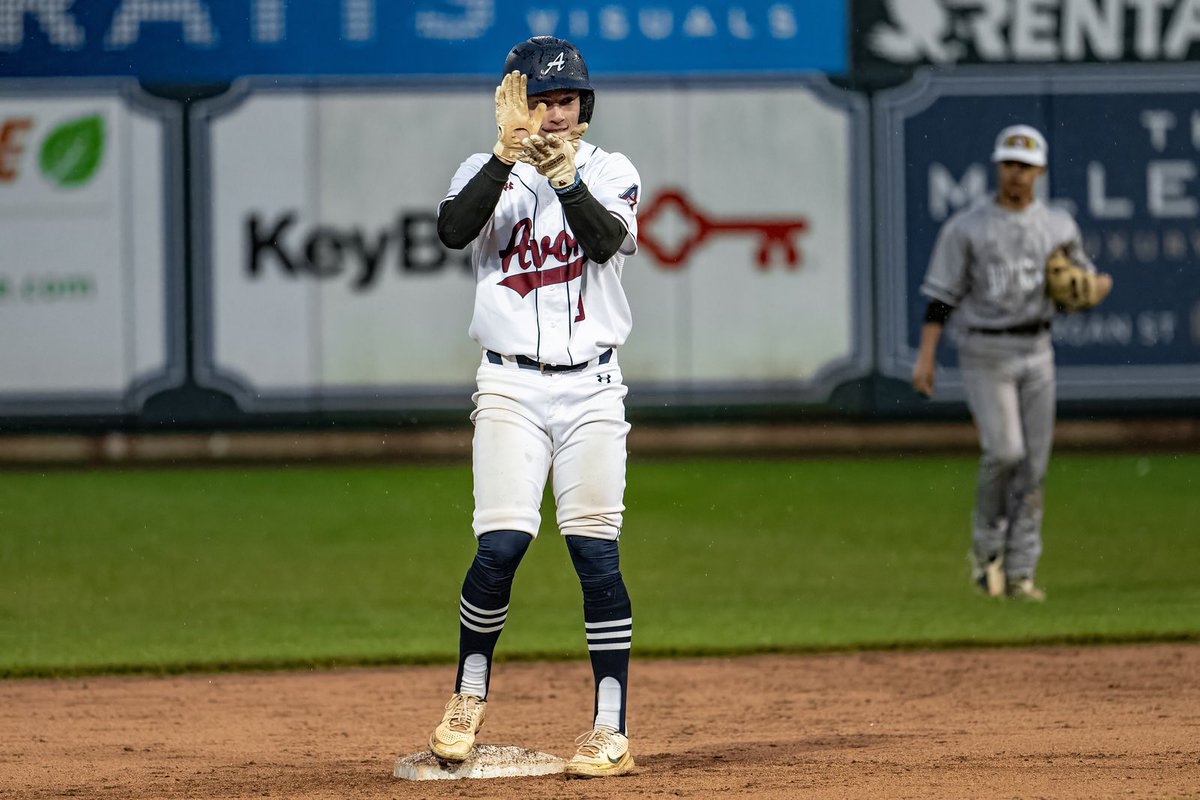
(989, 269)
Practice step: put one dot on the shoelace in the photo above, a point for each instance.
(461, 708)
(594, 741)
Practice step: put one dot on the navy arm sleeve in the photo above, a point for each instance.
(462, 217)
(597, 231)
(938, 312)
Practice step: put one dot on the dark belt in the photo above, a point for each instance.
(525, 362)
(1030, 329)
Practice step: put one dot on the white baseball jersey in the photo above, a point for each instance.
(536, 293)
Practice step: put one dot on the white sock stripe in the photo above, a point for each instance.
(610, 624)
(480, 629)
(591, 637)
(485, 611)
(462, 612)
(610, 646)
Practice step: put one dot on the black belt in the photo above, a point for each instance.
(1030, 329)
(526, 362)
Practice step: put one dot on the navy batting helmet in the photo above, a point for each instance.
(551, 63)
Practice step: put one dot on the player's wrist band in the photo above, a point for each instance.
(574, 185)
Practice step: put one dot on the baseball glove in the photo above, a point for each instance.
(1073, 286)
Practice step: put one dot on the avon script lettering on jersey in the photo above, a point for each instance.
(531, 253)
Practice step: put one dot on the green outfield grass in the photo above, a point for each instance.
(176, 569)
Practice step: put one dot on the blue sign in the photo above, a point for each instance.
(1123, 160)
(216, 40)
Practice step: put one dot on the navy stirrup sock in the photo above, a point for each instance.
(483, 606)
(608, 622)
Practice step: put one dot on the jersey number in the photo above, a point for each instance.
(580, 316)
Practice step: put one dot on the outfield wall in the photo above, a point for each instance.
(216, 220)
(452, 444)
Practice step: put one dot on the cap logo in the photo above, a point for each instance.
(559, 62)
(1020, 140)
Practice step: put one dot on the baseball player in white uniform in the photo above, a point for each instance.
(988, 268)
(552, 219)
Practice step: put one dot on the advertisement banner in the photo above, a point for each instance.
(322, 283)
(86, 221)
(752, 284)
(181, 41)
(907, 33)
(1122, 159)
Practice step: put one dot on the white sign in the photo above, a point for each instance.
(328, 287)
(326, 271)
(748, 271)
(82, 269)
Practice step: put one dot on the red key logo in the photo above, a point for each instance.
(773, 234)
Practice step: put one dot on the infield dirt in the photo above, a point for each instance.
(1113, 721)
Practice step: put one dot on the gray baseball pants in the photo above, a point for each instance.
(1009, 381)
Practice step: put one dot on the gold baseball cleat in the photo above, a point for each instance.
(601, 752)
(1023, 589)
(454, 737)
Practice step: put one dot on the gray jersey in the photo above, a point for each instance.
(989, 263)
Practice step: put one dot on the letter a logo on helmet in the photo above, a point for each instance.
(551, 63)
(557, 62)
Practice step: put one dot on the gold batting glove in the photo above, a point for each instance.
(514, 120)
(552, 156)
(575, 135)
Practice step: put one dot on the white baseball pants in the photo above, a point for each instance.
(531, 424)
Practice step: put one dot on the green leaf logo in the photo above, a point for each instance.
(72, 152)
